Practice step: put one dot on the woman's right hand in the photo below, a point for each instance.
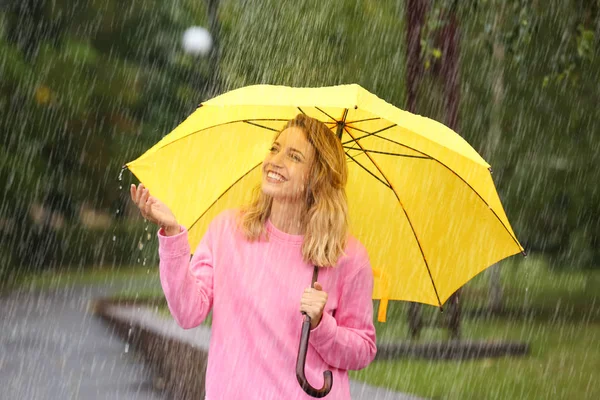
(154, 210)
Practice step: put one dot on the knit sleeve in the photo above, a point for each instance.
(187, 284)
(347, 341)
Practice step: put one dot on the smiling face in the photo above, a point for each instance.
(287, 166)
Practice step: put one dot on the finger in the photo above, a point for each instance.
(308, 297)
(144, 198)
(150, 202)
(143, 190)
(148, 206)
(132, 191)
(309, 310)
(318, 286)
(138, 193)
(142, 206)
(305, 301)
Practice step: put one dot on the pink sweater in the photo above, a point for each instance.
(254, 290)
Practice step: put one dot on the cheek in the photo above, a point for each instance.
(306, 176)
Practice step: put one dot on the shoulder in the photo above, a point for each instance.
(355, 257)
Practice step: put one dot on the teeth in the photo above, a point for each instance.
(274, 175)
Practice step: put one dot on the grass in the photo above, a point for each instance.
(562, 330)
(563, 363)
(128, 281)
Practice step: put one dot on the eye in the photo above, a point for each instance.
(295, 157)
(273, 149)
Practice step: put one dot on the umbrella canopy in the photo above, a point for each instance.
(421, 199)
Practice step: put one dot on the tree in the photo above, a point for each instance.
(85, 87)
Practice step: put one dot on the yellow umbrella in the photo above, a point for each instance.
(421, 199)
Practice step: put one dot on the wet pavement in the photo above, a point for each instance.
(146, 318)
(52, 347)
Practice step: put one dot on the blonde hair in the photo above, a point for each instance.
(326, 220)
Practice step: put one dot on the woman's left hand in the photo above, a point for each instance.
(313, 303)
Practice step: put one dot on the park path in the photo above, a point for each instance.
(52, 347)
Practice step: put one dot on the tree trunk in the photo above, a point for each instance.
(450, 39)
(495, 300)
(415, 18)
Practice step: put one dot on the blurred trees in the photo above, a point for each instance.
(87, 86)
(84, 87)
(529, 71)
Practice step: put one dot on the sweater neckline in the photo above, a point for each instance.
(283, 236)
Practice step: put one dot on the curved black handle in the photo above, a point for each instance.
(327, 376)
(301, 361)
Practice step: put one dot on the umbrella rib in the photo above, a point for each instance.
(260, 126)
(302, 111)
(368, 133)
(223, 194)
(407, 218)
(387, 153)
(333, 119)
(223, 124)
(466, 183)
(362, 120)
(366, 169)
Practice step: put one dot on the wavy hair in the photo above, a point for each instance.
(325, 221)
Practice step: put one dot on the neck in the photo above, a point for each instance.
(287, 216)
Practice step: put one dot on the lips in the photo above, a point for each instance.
(275, 176)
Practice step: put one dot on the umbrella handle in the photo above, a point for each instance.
(301, 361)
(327, 376)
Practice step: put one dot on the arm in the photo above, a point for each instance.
(348, 340)
(188, 285)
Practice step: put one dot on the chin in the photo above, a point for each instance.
(274, 192)
(269, 190)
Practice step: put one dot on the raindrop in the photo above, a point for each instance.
(114, 238)
(127, 343)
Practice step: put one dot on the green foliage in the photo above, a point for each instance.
(314, 43)
(83, 88)
(548, 144)
(86, 87)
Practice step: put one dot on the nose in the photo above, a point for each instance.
(276, 160)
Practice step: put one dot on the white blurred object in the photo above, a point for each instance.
(197, 41)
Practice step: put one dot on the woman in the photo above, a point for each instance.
(253, 266)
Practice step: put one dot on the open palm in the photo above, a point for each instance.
(152, 208)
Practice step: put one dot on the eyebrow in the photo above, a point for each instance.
(292, 149)
(297, 151)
